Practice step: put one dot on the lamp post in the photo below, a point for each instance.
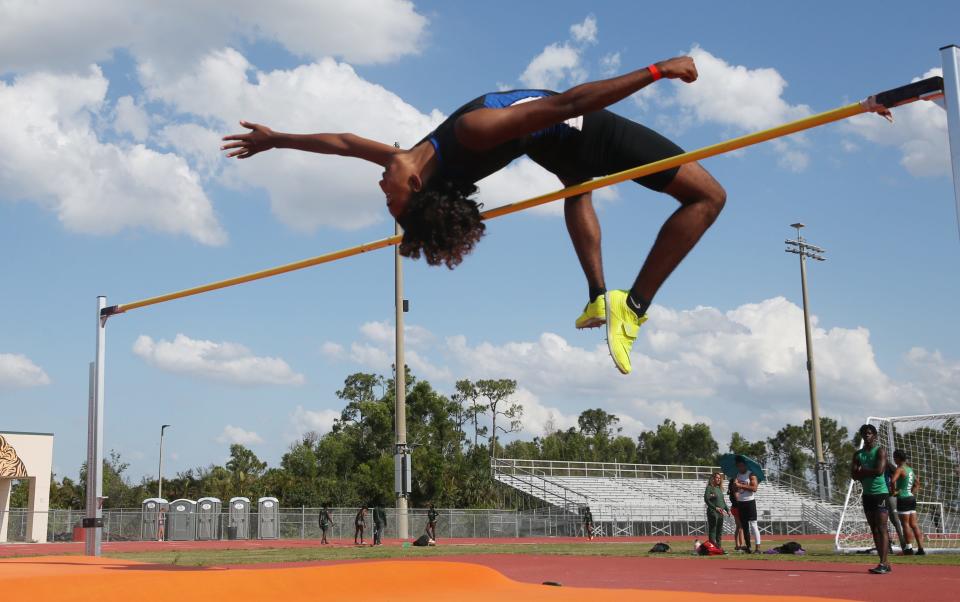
(160, 467)
(805, 250)
(402, 454)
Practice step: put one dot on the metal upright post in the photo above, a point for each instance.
(804, 250)
(950, 56)
(160, 466)
(93, 523)
(400, 384)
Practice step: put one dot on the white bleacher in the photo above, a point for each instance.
(642, 493)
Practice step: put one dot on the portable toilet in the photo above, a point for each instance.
(153, 510)
(238, 518)
(267, 518)
(208, 518)
(182, 520)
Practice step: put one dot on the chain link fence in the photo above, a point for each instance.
(127, 524)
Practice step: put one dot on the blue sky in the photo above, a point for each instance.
(111, 183)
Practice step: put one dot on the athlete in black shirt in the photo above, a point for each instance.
(428, 187)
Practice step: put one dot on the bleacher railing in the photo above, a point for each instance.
(614, 470)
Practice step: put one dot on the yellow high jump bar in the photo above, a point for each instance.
(927, 89)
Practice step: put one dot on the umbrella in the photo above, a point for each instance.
(728, 464)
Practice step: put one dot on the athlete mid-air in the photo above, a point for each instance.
(429, 187)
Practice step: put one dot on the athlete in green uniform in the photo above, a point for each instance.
(869, 463)
(716, 508)
(906, 484)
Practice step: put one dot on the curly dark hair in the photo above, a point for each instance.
(442, 223)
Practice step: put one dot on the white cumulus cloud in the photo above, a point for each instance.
(737, 97)
(556, 64)
(306, 191)
(224, 361)
(97, 187)
(919, 132)
(741, 369)
(377, 350)
(303, 420)
(64, 35)
(19, 371)
(585, 32)
(235, 434)
(561, 63)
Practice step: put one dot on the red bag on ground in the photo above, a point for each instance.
(708, 548)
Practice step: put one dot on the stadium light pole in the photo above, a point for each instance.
(160, 466)
(401, 453)
(805, 250)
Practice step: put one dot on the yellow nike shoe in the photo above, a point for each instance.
(622, 327)
(594, 314)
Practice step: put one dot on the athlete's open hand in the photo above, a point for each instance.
(681, 67)
(259, 139)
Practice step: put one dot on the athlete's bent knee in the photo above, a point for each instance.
(716, 200)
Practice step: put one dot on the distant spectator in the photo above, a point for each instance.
(588, 522)
(716, 508)
(161, 523)
(379, 524)
(738, 540)
(325, 522)
(746, 485)
(360, 524)
(432, 516)
(906, 483)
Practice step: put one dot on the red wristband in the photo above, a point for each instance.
(655, 72)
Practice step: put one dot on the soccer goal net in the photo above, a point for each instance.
(932, 445)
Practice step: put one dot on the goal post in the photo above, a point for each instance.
(932, 445)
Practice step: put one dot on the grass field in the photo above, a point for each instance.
(817, 550)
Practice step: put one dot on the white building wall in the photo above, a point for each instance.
(35, 453)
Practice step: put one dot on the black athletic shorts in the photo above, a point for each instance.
(607, 144)
(875, 502)
(747, 510)
(906, 504)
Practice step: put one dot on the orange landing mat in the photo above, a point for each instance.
(104, 580)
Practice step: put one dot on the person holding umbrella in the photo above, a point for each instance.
(746, 475)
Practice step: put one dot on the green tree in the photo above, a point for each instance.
(696, 445)
(661, 446)
(497, 394)
(597, 422)
(756, 450)
(245, 469)
(470, 394)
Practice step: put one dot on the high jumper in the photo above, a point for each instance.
(429, 188)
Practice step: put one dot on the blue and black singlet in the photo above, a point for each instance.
(595, 144)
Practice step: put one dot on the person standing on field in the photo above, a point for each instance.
(906, 483)
(432, 516)
(868, 465)
(746, 484)
(716, 508)
(325, 521)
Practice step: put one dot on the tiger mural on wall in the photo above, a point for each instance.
(11, 466)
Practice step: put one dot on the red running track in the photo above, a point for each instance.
(708, 575)
(50, 549)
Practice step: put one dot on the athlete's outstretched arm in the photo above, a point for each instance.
(486, 128)
(261, 138)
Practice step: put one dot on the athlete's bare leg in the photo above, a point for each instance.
(584, 229)
(701, 199)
